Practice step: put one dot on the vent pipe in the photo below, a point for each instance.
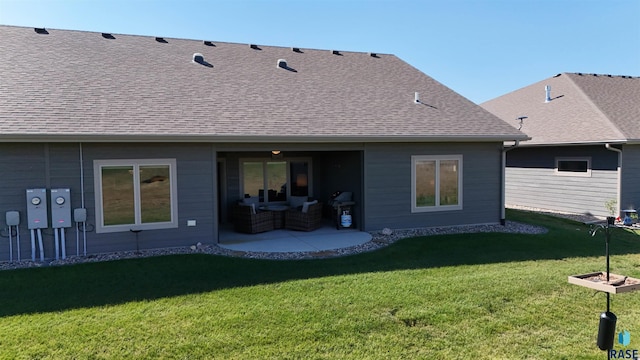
(416, 99)
(547, 90)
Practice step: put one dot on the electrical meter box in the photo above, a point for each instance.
(60, 208)
(37, 215)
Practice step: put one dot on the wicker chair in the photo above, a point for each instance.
(245, 221)
(297, 220)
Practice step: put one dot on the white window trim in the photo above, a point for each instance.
(136, 163)
(573, 173)
(437, 158)
(264, 162)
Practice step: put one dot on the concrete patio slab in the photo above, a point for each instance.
(325, 238)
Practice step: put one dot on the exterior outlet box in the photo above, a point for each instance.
(13, 218)
(60, 208)
(37, 215)
(191, 223)
(80, 215)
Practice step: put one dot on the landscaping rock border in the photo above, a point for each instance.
(379, 240)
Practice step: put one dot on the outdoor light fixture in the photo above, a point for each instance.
(276, 154)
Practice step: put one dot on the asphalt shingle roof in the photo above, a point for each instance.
(83, 85)
(585, 108)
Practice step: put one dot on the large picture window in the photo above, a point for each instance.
(135, 194)
(436, 183)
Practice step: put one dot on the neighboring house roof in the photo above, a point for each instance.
(71, 85)
(584, 108)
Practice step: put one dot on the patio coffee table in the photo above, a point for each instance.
(278, 214)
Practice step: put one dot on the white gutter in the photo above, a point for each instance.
(503, 195)
(619, 182)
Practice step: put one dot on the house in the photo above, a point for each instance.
(158, 137)
(585, 147)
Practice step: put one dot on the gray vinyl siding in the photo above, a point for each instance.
(531, 180)
(387, 184)
(630, 177)
(57, 166)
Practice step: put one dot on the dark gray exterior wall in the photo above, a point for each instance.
(387, 185)
(630, 177)
(57, 165)
(379, 175)
(531, 179)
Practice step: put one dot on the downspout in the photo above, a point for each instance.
(619, 182)
(503, 195)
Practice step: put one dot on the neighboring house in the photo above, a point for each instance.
(165, 135)
(585, 147)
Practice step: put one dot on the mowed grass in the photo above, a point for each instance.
(473, 296)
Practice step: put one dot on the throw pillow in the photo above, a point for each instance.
(305, 205)
(297, 201)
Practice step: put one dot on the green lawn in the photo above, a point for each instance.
(476, 296)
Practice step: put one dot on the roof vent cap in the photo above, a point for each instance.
(547, 90)
(282, 63)
(41, 31)
(199, 59)
(295, 49)
(161, 40)
(108, 36)
(254, 47)
(208, 43)
(335, 52)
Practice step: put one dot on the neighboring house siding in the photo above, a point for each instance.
(387, 184)
(531, 179)
(57, 166)
(630, 177)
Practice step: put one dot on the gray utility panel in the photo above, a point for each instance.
(60, 208)
(37, 216)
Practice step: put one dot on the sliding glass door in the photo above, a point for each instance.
(274, 181)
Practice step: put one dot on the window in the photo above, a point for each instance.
(436, 183)
(135, 194)
(573, 166)
(280, 178)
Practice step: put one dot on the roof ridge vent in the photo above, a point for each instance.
(108, 36)
(42, 31)
(161, 40)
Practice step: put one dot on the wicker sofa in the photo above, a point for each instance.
(296, 219)
(246, 221)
